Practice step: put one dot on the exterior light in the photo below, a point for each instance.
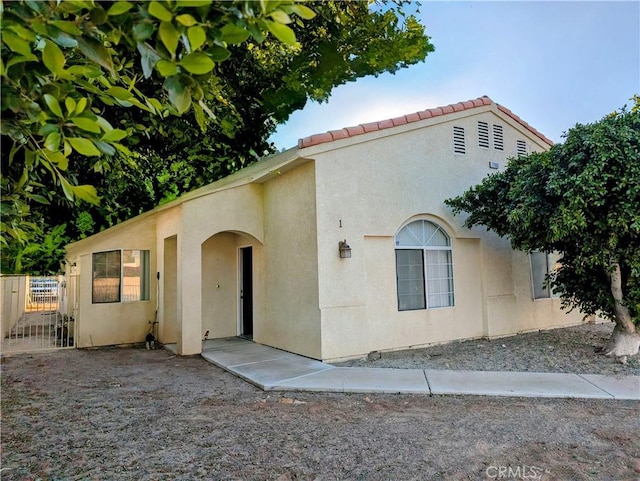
(344, 249)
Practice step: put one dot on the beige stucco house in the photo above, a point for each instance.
(258, 253)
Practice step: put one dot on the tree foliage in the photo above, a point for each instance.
(582, 199)
(158, 120)
(67, 65)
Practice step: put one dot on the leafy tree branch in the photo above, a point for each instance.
(582, 199)
(150, 100)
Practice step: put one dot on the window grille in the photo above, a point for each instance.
(483, 135)
(498, 137)
(458, 140)
(521, 148)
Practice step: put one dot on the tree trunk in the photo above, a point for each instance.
(625, 339)
(622, 343)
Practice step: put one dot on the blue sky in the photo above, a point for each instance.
(554, 64)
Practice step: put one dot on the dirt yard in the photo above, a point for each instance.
(571, 350)
(132, 414)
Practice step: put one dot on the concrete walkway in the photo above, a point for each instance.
(274, 370)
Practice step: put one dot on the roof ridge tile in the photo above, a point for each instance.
(524, 124)
(353, 131)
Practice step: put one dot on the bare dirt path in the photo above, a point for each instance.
(132, 414)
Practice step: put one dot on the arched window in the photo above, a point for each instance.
(424, 267)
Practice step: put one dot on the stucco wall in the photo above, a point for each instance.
(366, 191)
(219, 285)
(221, 288)
(169, 232)
(306, 298)
(193, 246)
(539, 313)
(238, 210)
(120, 322)
(377, 325)
(291, 263)
(169, 322)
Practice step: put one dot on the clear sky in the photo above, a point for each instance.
(554, 64)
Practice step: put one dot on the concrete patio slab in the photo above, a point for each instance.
(229, 343)
(246, 353)
(266, 374)
(526, 384)
(359, 380)
(620, 387)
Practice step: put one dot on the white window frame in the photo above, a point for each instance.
(425, 266)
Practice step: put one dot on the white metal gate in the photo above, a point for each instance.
(47, 320)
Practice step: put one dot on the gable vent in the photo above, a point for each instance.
(458, 140)
(483, 135)
(498, 138)
(521, 148)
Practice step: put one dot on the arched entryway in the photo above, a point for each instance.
(231, 285)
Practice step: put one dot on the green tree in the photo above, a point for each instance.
(582, 199)
(260, 83)
(67, 66)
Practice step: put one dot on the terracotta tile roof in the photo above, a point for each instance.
(415, 117)
(524, 124)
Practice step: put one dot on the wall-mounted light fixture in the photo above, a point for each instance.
(344, 249)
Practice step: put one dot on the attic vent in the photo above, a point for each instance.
(521, 147)
(458, 140)
(483, 135)
(498, 138)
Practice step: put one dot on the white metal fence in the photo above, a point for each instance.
(39, 313)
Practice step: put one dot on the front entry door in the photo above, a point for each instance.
(246, 292)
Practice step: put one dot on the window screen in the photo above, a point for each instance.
(120, 276)
(106, 277)
(410, 273)
(542, 265)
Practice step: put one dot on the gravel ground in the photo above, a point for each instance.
(571, 350)
(138, 415)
